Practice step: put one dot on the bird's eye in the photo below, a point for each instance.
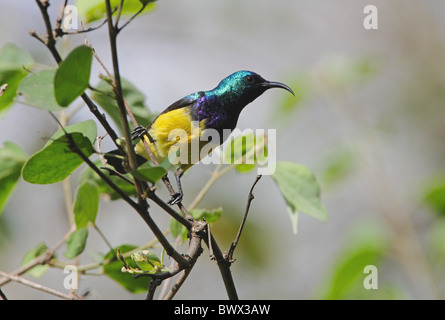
(249, 79)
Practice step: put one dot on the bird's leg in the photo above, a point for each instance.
(177, 197)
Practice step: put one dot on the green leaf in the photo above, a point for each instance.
(434, 194)
(176, 229)
(76, 243)
(93, 10)
(89, 175)
(13, 65)
(88, 128)
(243, 168)
(12, 159)
(365, 246)
(86, 204)
(38, 270)
(12, 57)
(147, 1)
(210, 216)
(73, 75)
(133, 96)
(246, 151)
(113, 269)
(238, 149)
(56, 161)
(37, 90)
(147, 172)
(300, 190)
(147, 261)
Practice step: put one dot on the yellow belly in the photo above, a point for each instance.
(172, 131)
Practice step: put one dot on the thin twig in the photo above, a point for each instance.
(50, 41)
(170, 295)
(34, 34)
(3, 88)
(131, 19)
(60, 19)
(197, 232)
(152, 286)
(224, 267)
(118, 16)
(209, 234)
(44, 258)
(124, 109)
(110, 247)
(87, 267)
(2, 295)
(141, 206)
(40, 287)
(166, 283)
(62, 32)
(50, 44)
(229, 256)
(215, 176)
(137, 206)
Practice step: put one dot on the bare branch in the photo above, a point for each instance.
(44, 258)
(40, 287)
(131, 19)
(229, 256)
(3, 88)
(118, 16)
(61, 32)
(2, 295)
(60, 19)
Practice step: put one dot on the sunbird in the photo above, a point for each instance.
(216, 109)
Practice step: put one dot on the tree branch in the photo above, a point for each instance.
(3, 89)
(140, 208)
(229, 256)
(50, 44)
(197, 232)
(40, 287)
(131, 19)
(117, 88)
(2, 295)
(44, 258)
(50, 40)
(224, 267)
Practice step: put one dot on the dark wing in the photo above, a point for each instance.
(181, 103)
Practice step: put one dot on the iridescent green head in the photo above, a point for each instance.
(242, 87)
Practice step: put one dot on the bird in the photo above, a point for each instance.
(215, 110)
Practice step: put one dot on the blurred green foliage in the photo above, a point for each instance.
(93, 10)
(14, 66)
(366, 245)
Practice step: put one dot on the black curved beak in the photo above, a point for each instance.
(272, 84)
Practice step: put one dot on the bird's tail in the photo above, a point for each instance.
(116, 162)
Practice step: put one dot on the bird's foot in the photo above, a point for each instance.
(138, 132)
(175, 199)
